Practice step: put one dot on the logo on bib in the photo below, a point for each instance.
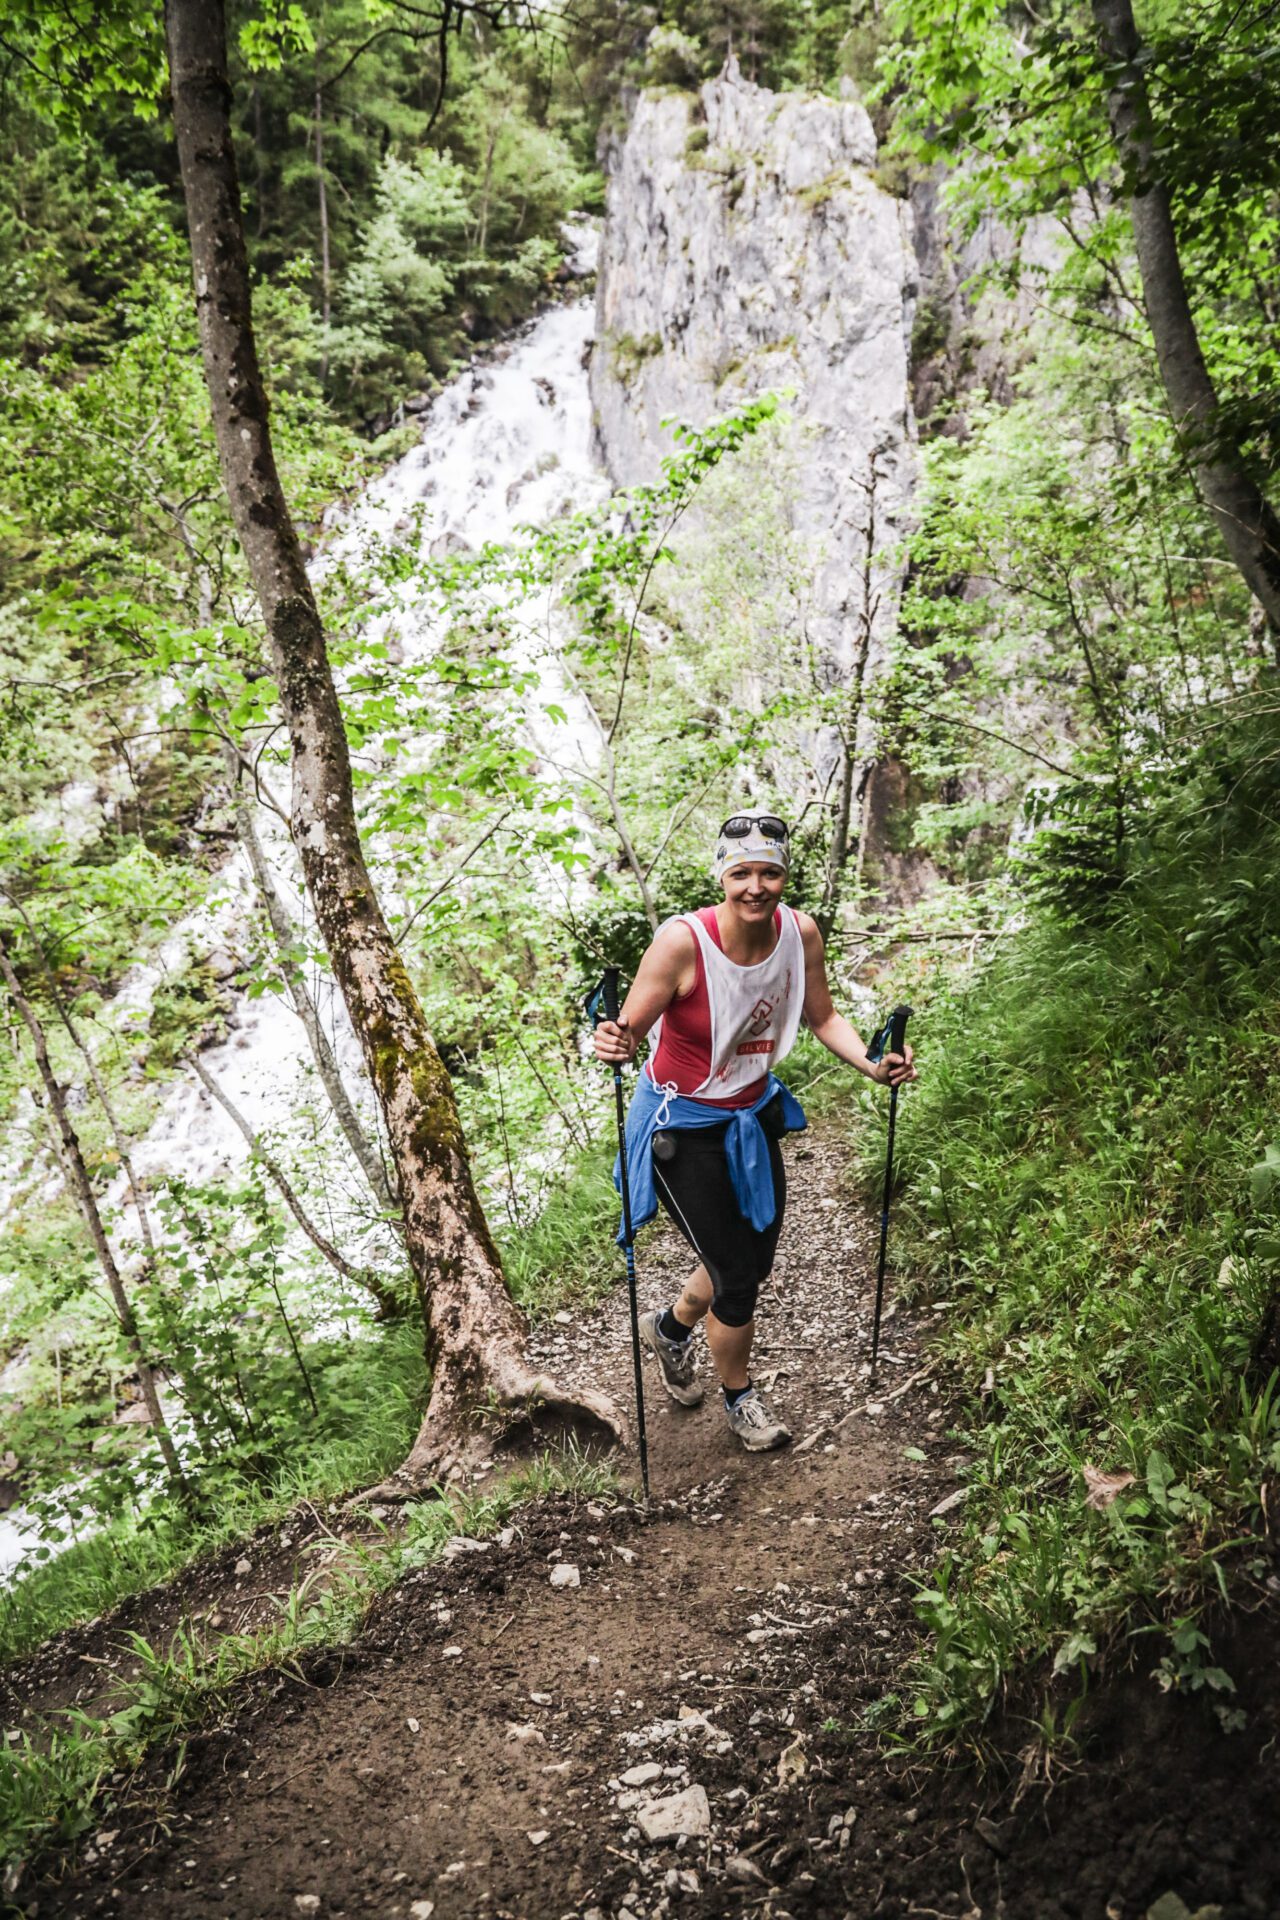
(756, 1046)
(761, 1015)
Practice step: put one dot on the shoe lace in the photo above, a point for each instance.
(752, 1411)
(677, 1353)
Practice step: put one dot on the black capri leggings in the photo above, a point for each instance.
(693, 1185)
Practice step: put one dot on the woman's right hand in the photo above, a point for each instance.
(615, 1043)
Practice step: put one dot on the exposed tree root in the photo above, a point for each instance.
(522, 1411)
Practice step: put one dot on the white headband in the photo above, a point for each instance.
(754, 846)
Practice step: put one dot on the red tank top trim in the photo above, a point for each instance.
(684, 1047)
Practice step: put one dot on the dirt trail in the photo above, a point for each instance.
(470, 1756)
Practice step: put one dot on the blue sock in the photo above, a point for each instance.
(732, 1395)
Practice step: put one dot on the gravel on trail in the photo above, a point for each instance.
(613, 1713)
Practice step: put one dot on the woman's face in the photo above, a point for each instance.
(754, 889)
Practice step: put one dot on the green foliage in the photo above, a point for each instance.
(442, 203)
(565, 1256)
(187, 1010)
(1078, 1163)
(1022, 102)
(1068, 625)
(254, 1374)
(776, 44)
(372, 1409)
(84, 52)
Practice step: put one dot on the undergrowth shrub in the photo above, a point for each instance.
(375, 1391)
(1078, 1185)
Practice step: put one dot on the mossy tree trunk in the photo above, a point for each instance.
(475, 1334)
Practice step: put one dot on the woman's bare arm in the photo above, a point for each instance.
(666, 973)
(831, 1028)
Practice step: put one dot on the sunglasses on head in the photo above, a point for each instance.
(739, 825)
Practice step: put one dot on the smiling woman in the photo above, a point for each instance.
(721, 993)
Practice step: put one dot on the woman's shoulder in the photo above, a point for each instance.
(677, 921)
(674, 936)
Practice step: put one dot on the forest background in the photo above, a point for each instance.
(1073, 710)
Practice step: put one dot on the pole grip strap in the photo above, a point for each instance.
(891, 1037)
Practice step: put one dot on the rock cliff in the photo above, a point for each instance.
(748, 247)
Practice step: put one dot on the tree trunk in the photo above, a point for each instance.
(475, 1339)
(286, 934)
(99, 1086)
(78, 1179)
(1249, 526)
(323, 198)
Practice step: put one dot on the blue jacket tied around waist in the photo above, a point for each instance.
(746, 1146)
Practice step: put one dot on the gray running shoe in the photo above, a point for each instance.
(675, 1359)
(759, 1430)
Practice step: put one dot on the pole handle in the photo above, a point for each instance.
(898, 1029)
(610, 990)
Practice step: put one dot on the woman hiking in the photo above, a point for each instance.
(721, 993)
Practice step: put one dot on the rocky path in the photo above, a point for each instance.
(609, 1713)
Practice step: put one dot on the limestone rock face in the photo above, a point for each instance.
(747, 249)
(968, 335)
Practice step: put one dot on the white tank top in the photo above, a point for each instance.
(755, 1011)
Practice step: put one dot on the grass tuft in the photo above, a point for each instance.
(567, 1256)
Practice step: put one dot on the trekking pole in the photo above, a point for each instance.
(891, 1038)
(609, 994)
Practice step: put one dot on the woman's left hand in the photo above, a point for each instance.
(897, 1068)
